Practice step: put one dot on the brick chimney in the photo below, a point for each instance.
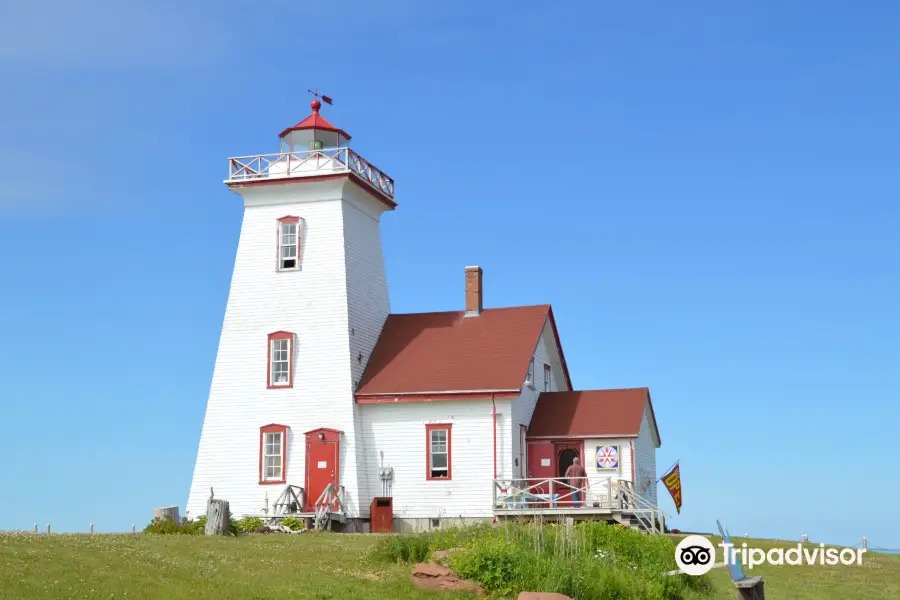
(473, 291)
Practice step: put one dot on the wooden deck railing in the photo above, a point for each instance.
(307, 163)
(556, 494)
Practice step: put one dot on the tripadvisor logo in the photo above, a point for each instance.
(696, 555)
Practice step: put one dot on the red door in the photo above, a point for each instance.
(565, 453)
(322, 467)
(540, 466)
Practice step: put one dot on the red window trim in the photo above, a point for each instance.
(286, 219)
(428, 429)
(280, 335)
(273, 428)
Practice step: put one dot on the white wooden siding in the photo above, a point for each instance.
(397, 431)
(317, 303)
(645, 458)
(597, 479)
(546, 352)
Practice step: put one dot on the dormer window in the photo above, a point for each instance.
(281, 359)
(288, 243)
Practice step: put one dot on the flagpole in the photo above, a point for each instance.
(666, 472)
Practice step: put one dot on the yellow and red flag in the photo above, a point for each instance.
(672, 481)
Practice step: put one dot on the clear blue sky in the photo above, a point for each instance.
(705, 192)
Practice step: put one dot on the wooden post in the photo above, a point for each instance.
(48, 528)
(92, 529)
(133, 528)
(217, 517)
(166, 511)
(750, 588)
(35, 528)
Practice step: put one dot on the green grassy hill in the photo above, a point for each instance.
(315, 566)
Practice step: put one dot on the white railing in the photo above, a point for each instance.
(307, 163)
(555, 492)
(535, 495)
(290, 501)
(331, 500)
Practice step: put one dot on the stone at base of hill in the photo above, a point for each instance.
(542, 596)
(436, 577)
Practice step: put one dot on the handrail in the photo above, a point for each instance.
(286, 498)
(326, 502)
(540, 492)
(304, 163)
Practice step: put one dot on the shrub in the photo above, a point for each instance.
(590, 560)
(409, 548)
(292, 523)
(248, 524)
(167, 526)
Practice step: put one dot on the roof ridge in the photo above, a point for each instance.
(454, 312)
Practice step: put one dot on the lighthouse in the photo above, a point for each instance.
(307, 302)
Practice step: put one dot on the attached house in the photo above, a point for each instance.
(323, 400)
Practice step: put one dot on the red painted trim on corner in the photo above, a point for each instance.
(391, 399)
(387, 200)
(273, 428)
(280, 335)
(429, 427)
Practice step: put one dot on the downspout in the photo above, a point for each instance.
(494, 414)
(494, 406)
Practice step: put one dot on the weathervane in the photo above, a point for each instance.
(315, 104)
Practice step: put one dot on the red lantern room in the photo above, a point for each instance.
(313, 133)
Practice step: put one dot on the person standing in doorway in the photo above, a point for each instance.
(576, 477)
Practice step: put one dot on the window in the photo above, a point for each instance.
(547, 378)
(272, 442)
(529, 379)
(288, 243)
(281, 359)
(437, 438)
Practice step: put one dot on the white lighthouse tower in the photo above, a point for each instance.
(307, 302)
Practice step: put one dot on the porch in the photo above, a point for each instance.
(328, 508)
(608, 499)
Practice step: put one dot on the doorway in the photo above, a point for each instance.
(565, 456)
(322, 464)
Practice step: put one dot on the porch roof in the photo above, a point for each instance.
(600, 413)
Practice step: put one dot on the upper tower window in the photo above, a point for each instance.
(288, 243)
(281, 359)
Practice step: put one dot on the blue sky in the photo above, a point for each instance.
(705, 192)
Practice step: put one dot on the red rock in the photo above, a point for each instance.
(437, 577)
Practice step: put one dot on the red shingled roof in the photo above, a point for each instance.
(449, 352)
(314, 121)
(591, 413)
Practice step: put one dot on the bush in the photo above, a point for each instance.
(592, 560)
(410, 548)
(292, 523)
(166, 526)
(248, 524)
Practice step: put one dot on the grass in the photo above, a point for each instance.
(878, 578)
(318, 567)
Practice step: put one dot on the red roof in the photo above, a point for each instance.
(602, 413)
(314, 121)
(446, 352)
